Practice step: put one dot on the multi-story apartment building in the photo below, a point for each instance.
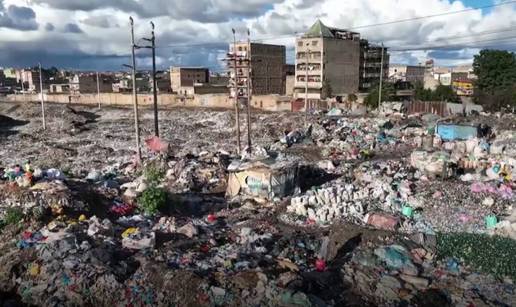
(331, 61)
(267, 66)
(371, 65)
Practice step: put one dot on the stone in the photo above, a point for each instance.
(382, 221)
(488, 202)
(188, 230)
(286, 278)
(388, 288)
(94, 175)
(418, 282)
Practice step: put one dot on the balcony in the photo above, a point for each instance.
(311, 85)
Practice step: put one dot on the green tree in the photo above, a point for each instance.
(495, 87)
(441, 93)
(388, 94)
(421, 93)
(445, 93)
(495, 69)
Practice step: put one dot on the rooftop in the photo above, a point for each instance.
(319, 29)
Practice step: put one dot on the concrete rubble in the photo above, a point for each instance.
(327, 210)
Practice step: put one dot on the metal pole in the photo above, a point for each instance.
(154, 83)
(249, 90)
(98, 89)
(42, 99)
(237, 111)
(381, 82)
(135, 96)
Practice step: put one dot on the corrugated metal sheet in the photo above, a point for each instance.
(434, 107)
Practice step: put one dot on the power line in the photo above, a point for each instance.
(398, 21)
(487, 32)
(464, 45)
(472, 35)
(434, 15)
(273, 37)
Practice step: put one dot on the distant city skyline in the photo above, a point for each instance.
(94, 35)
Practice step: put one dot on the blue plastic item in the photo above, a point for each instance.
(450, 132)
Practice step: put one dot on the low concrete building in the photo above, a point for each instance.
(219, 79)
(183, 79)
(87, 83)
(407, 73)
(60, 88)
(162, 82)
(29, 80)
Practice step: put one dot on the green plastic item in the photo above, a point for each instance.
(491, 221)
(407, 211)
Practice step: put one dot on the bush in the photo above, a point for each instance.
(12, 216)
(494, 255)
(153, 173)
(152, 200)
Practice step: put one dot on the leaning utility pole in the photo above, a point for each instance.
(135, 96)
(307, 53)
(42, 98)
(98, 89)
(235, 79)
(381, 82)
(249, 91)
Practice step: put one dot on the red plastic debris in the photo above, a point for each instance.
(205, 248)
(320, 265)
(211, 218)
(155, 144)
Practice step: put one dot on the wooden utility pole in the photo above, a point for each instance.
(307, 53)
(249, 91)
(42, 98)
(135, 96)
(154, 83)
(98, 89)
(381, 82)
(237, 109)
(152, 40)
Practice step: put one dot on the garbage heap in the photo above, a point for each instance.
(356, 219)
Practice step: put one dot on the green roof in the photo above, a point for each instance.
(319, 30)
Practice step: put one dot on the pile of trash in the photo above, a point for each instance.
(325, 210)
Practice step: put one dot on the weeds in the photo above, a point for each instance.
(494, 255)
(152, 200)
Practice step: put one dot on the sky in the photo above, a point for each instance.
(95, 34)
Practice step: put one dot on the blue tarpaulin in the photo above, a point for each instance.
(450, 132)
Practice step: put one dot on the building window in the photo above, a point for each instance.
(314, 43)
(300, 44)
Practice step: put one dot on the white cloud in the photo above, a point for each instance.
(105, 32)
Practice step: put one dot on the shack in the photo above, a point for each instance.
(266, 178)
